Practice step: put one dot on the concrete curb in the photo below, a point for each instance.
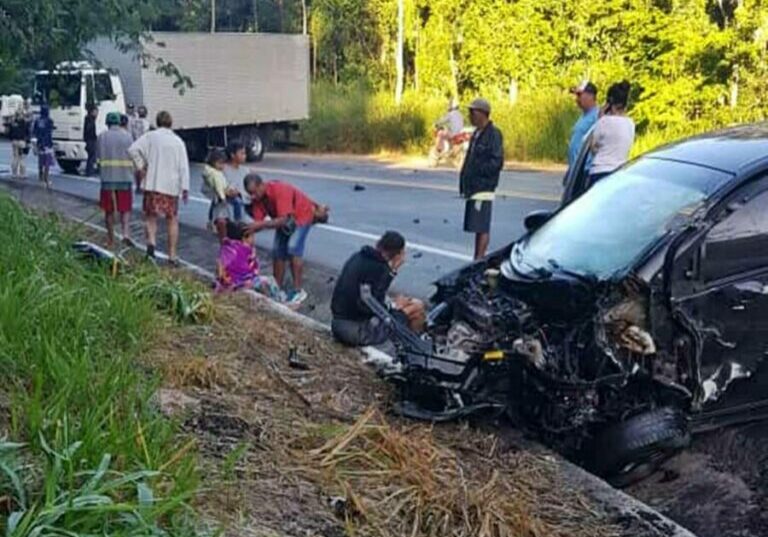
(635, 517)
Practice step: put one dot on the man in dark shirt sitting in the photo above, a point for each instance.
(353, 323)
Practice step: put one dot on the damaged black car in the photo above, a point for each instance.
(629, 319)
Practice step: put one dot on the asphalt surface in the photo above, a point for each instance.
(368, 197)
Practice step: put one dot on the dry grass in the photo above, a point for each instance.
(404, 481)
(277, 442)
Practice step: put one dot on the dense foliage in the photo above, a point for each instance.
(693, 64)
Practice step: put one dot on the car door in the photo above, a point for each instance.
(720, 284)
(576, 180)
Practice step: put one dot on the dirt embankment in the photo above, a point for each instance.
(311, 450)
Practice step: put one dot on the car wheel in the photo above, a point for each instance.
(631, 450)
(69, 166)
(255, 148)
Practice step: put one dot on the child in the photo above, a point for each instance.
(238, 266)
(221, 193)
(44, 148)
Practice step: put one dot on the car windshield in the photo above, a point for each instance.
(614, 222)
(57, 89)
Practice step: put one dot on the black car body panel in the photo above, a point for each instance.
(573, 345)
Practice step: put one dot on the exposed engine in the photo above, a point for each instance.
(564, 376)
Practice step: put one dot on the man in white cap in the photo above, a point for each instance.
(586, 99)
(480, 174)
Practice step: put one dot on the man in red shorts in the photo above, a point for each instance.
(161, 157)
(116, 172)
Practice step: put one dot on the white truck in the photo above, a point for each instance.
(244, 86)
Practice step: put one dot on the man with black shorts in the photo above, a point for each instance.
(480, 174)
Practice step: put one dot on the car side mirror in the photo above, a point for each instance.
(536, 219)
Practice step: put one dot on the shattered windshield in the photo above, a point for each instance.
(609, 226)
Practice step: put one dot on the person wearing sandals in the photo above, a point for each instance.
(291, 213)
(161, 158)
(116, 173)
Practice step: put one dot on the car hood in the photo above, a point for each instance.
(559, 296)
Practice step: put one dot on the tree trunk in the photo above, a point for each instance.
(213, 16)
(304, 17)
(255, 15)
(314, 57)
(399, 68)
(734, 87)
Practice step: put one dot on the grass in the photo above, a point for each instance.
(407, 481)
(356, 119)
(359, 120)
(98, 457)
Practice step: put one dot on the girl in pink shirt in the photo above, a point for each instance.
(238, 266)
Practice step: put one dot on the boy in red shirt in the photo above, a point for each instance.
(291, 214)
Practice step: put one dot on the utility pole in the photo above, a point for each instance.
(213, 16)
(399, 68)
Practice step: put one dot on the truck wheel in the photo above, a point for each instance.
(255, 148)
(196, 148)
(69, 166)
(631, 450)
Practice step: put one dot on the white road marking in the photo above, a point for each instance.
(336, 229)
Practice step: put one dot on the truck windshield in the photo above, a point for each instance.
(58, 89)
(616, 220)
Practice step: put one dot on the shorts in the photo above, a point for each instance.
(45, 158)
(122, 198)
(156, 203)
(288, 246)
(477, 216)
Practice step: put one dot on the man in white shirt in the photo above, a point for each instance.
(161, 158)
(448, 126)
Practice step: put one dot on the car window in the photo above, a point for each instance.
(739, 243)
(103, 87)
(615, 221)
(57, 89)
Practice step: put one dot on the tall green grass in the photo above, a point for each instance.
(69, 335)
(357, 119)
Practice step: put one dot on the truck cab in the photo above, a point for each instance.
(68, 90)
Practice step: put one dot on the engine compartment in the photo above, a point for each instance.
(564, 373)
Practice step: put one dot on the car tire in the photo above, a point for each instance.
(631, 450)
(69, 166)
(255, 147)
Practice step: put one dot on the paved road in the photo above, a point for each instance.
(420, 203)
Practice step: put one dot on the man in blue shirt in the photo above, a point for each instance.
(586, 99)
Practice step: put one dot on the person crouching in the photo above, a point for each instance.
(353, 322)
(238, 267)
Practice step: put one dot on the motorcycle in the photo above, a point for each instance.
(451, 150)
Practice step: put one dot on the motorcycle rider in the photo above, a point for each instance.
(448, 126)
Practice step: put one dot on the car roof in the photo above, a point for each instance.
(731, 150)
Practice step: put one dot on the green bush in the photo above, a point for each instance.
(69, 335)
(356, 119)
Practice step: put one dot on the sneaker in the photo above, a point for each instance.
(297, 297)
(129, 242)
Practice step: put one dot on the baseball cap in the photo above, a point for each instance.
(585, 87)
(113, 118)
(480, 104)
